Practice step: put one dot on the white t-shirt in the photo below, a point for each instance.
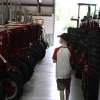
(63, 67)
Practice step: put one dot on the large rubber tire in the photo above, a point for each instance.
(37, 51)
(17, 86)
(22, 67)
(93, 91)
(41, 47)
(34, 57)
(18, 73)
(78, 73)
(44, 44)
(29, 64)
(34, 53)
(84, 87)
(94, 65)
(32, 60)
(2, 97)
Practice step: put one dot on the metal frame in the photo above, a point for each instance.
(83, 4)
(2, 14)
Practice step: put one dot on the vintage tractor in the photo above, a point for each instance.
(21, 51)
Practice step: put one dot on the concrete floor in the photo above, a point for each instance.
(42, 86)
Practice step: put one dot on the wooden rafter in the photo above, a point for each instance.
(29, 4)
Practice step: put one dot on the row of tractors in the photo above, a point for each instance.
(85, 44)
(21, 47)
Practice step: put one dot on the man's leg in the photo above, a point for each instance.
(61, 95)
(68, 82)
(61, 86)
(67, 94)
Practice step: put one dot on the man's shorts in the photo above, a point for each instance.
(63, 84)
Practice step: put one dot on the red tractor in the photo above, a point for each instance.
(10, 76)
(20, 48)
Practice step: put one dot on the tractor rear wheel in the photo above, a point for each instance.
(12, 86)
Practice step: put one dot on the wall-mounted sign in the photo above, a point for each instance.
(40, 21)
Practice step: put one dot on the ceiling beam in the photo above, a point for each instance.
(29, 4)
(45, 5)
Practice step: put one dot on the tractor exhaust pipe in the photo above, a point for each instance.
(10, 12)
(31, 18)
(2, 14)
(26, 15)
(20, 12)
(15, 13)
(89, 10)
(7, 11)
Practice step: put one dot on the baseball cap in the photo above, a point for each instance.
(64, 36)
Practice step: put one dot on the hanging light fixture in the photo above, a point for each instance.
(39, 1)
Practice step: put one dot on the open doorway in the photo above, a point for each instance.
(63, 13)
